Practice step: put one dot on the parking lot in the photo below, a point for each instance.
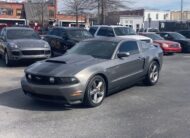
(161, 111)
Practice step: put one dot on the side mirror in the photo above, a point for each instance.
(123, 54)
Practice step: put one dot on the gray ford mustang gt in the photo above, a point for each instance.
(93, 69)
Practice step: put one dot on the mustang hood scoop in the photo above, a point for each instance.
(64, 65)
(56, 61)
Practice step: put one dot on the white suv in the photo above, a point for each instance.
(117, 31)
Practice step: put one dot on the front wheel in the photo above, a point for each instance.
(95, 91)
(152, 76)
(7, 61)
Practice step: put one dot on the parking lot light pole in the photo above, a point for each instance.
(181, 10)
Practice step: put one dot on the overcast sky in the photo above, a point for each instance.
(161, 4)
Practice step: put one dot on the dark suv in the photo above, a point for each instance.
(61, 39)
(185, 33)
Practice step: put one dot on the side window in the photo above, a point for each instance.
(106, 31)
(93, 30)
(86, 34)
(144, 46)
(55, 32)
(130, 46)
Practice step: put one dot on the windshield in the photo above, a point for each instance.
(122, 31)
(22, 34)
(97, 49)
(154, 37)
(177, 36)
(79, 34)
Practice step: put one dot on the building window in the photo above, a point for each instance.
(6, 11)
(18, 12)
(157, 16)
(126, 21)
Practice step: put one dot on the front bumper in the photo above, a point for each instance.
(72, 94)
(172, 50)
(29, 54)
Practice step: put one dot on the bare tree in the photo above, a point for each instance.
(42, 11)
(105, 6)
(78, 7)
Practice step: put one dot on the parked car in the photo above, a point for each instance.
(169, 47)
(20, 43)
(173, 36)
(61, 39)
(116, 31)
(93, 69)
(185, 33)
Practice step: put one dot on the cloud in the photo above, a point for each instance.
(161, 4)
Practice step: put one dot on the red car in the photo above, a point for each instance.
(169, 47)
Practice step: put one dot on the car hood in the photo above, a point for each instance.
(165, 41)
(29, 43)
(67, 65)
(136, 37)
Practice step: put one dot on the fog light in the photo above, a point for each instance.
(52, 80)
(29, 76)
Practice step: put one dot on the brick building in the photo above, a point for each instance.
(12, 13)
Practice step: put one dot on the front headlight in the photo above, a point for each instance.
(165, 45)
(13, 45)
(46, 45)
(67, 80)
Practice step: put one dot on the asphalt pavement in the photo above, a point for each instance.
(161, 111)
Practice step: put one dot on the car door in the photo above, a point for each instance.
(128, 69)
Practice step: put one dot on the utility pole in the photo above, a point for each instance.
(181, 10)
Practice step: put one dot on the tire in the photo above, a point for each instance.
(95, 92)
(153, 74)
(7, 61)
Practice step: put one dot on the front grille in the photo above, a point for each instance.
(174, 46)
(41, 80)
(35, 52)
(37, 79)
(15, 53)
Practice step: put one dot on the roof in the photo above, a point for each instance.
(109, 26)
(69, 28)
(18, 28)
(108, 39)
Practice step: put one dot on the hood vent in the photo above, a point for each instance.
(56, 61)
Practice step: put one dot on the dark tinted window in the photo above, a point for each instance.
(130, 46)
(93, 30)
(54, 32)
(79, 34)
(122, 31)
(21, 34)
(106, 31)
(97, 49)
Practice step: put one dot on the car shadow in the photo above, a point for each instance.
(16, 99)
(16, 64)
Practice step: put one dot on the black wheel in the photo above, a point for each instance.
(152, 76)
(7, 61)
(95, 91)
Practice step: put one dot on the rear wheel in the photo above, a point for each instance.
(95, 91)
(153, 74)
